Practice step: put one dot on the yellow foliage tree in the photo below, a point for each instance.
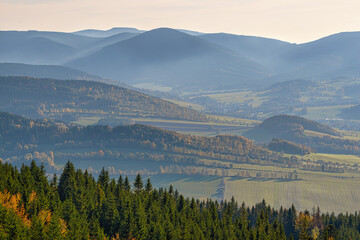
(302, 225)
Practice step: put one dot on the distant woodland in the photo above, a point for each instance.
(293, 128)
(23, 139)
(68, 100)
(280, 145)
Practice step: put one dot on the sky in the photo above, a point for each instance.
(295, 21)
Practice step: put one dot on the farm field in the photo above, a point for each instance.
(195, 128)
(333, 192)
(254, 98)
(216, 125)
(338, 158)
(194, 106)
(192, 186)
(323, 112)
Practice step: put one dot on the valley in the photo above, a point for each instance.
(188, 162)
(250, 135)
(179, 120)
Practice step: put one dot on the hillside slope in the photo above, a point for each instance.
(285, 126)
(174, 59)
(145, 142)
(41, 47)
(70, 100)
(194, 164)
(44, 71)
(107, 33)
(258, 49)
(299, 130)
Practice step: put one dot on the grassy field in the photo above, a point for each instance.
(338, 192)
(333, 192)
(194, 106)
(85, 121)
(215, 126)
(351, 135)
(339, 158)
(316, 113)
(191, 186)
(254, 98)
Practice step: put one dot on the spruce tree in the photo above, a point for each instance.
(127, 185)
(138, 184)
(67, 182)
(104, 179)
(148, 186)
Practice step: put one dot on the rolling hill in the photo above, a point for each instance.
(195, 165)
(352, 113)
(71, 100)
(37, 50)
(265, 51)
(148, 143)
(107, 33)
(38, 47)
(299, 130)
(171, 58)
(44, 71)
(286, 127)
(329, 57)
(184, 60)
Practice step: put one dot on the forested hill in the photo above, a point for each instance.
(22, 139)
(78, 206)
(16, 129)
(283, 125)
(44, 71)
(299, 130)
(70, 100)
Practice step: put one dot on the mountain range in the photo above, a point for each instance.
(169, 57)
(186, 60)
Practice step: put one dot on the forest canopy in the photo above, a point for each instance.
(78, 206)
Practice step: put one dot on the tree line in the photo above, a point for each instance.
(78, 206)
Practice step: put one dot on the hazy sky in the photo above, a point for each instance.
(289, 20)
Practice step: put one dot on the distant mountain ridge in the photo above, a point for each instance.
(258, 49)
(107, 33)
(172, 58)
(44, 71)
(180, 58)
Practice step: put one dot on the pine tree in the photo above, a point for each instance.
(140, 230)
(109, 215)
(96, 232)
(127, 185)
(330, 232)
(56, 229)
(104, 179)
(171, 189)
(67, 183)
(37, 230)
(148, 186)
(242, 223)
(119, 187)
(138, 184)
